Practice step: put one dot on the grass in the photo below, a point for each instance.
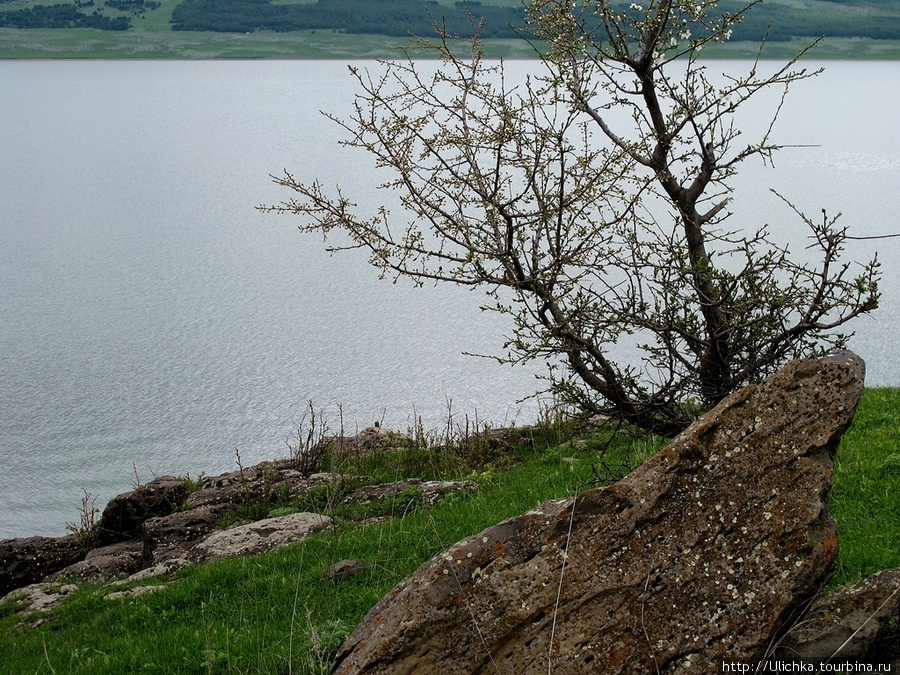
(865, 500)
(273, 613)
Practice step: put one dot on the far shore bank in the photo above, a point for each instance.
(159, 44)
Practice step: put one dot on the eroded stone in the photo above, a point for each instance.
(262, 535)
(704, 552)
(847, 623)
(27, 560)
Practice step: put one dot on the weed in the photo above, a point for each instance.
(11, 606)
(192, 485)
(890, 465)
(85, 530)
(280, 511)
(323, 641)
(310, 443)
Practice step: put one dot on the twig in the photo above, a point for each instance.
(562, 571)
(869, 618)
(643, 604)
(876, 236)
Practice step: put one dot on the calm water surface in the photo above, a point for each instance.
(152, 321)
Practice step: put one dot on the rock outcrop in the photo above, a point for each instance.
(707, 551)
(430, 491)
(27, 560)
(259, 536)
(104, 563)
(124, 514)
(853, 622)
(164, 521)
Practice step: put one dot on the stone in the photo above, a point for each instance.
(173, 536)
(706, 551)
(376, 436)
(41, 597)
(344, 570)
(262, 535)
(364, 443)
(503, 438)
(132, 592)
(125, 513)
(103, 564)
(257, 483)
(847, 623)
(432, 491)
(27, 560)
(166, 568)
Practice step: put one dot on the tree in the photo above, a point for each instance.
(591, 204)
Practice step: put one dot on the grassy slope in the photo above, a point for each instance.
(273, 614)
(866, 496)
(151, 37)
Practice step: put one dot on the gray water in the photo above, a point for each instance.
(153, 322)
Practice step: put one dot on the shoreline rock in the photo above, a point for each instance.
(163, 520)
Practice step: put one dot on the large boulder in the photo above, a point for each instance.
(124, 514)
(104, 563)
(705, 552)
(27, 560)
(173, 536)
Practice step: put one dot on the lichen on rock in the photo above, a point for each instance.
(707, 551)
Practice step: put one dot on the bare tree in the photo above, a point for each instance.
(590, 202)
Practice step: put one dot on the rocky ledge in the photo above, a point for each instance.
(718, 547)
(169, 522)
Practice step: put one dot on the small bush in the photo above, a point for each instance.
(890, 465)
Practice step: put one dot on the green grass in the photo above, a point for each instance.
(272, 613)
(865, 500)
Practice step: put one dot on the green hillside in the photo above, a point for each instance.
(365, 28)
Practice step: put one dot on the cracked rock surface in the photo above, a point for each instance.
(708, 550)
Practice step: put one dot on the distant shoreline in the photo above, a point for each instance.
(149, 44)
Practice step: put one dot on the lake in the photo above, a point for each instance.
(153, 322)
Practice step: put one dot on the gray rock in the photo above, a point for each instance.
(705, 551)
(364, 443)
(847, 623)
(132, 592)
(432, 491)
(345, 569)
(262, 535)
(42, 597)
(164, 569)
(104, 564)
(124, 514)
(173, 536)
(27, 560)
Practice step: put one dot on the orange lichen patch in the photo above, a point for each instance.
(831, 546)
(617, 656)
